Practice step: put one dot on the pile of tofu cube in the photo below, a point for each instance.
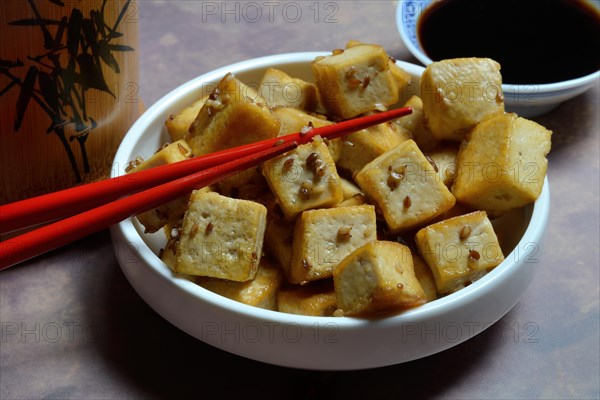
(382, 220)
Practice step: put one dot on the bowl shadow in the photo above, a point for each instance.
(158, 360)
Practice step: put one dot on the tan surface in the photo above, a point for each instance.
(112, 345)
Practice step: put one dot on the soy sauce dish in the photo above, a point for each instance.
(318, 343)
(548, 49)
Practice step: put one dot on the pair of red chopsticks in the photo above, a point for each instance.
(90, 208)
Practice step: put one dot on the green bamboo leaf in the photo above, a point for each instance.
(120, 47)
(25, 95)
(74, 32)
(34, 22)
(107, 57)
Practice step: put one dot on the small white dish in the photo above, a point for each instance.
(529, 100)
(319, 343)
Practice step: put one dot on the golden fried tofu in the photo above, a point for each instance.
(293, 120)
(281, 90)
(355, 81)
(233, 115)
(353, 195)
(221, 237)
(314, 299)
(304, 178)
(324, 237)
(402, 78)
(459, 93)
(404, 185)
(377, 278)
(153, 220)
(443, 160)
(360, 148)
(259, 292)
(459, 250)
(425, 277)
(279, 236)
(178, 125)
(415, 124)
(502, 164)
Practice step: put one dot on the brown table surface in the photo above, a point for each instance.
(72, 326)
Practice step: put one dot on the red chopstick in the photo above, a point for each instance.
(72, 201)
(57, 234)
(191, 174)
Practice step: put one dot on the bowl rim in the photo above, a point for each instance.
(537, 212)
(542, 89)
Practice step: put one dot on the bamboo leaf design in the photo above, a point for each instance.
(49, 93)
(114, 35)
(34, 21)
(120, 47)
(98, 19)
(48, 40)
(67, 76)
(89, 33)
(106, 56)
(121, 15)
(74, 32)
(61, 30)
(60, 76)
(10, 64)
(25, 95)
(91, 73)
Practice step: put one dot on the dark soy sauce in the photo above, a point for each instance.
(535, 41)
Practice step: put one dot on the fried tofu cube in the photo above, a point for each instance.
(221, 237)
(377, 278)
(404, 185)
(402, 78)
(178, 125)
(279, 236)
(168, 254)
(304, 178)
(444, 162)
(459, 250)
(233, 115)
(425, 277)
(293, 120)
(349, 189)
(502, 164)
(415, 124)
(459, 93)
(324, 237)
(355, 81)
(260, 292)
(281, 90)
(314, 299)
(353, 196)
(153, 220)
(362, 147)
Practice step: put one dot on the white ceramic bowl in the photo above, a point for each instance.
(325, 343)
(526, 100)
